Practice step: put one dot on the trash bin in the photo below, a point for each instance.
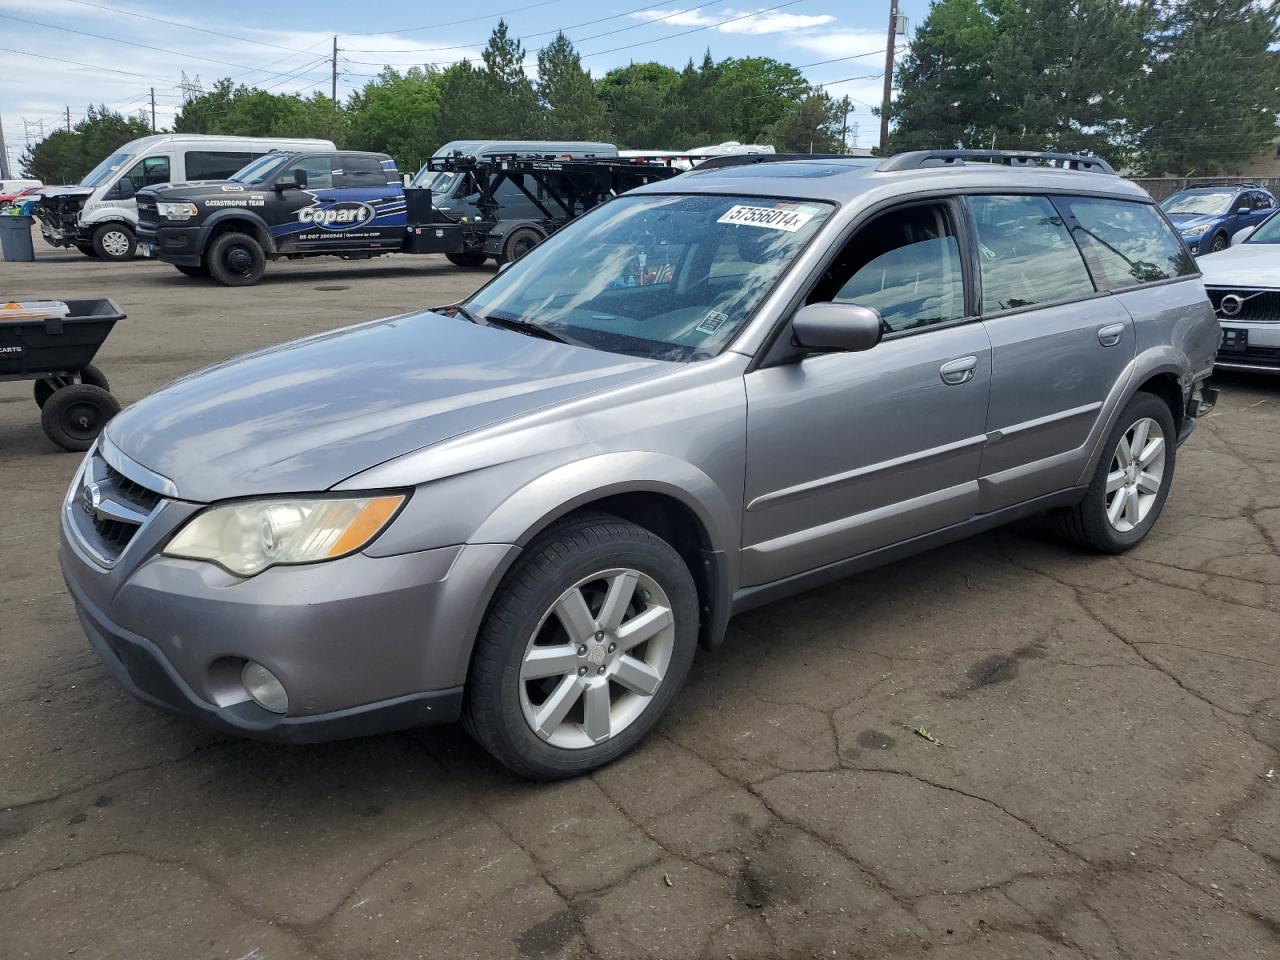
(15, 238)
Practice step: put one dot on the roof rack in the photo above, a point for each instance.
(916, 159)
(742, 159)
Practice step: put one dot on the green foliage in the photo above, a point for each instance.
(641, 103)
(248, 112)
(570, 108)
(397, 114)
(64, 157)
(1169, 86)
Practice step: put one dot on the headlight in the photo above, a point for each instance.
(246, 538)
(176, 211)
(1199, 231)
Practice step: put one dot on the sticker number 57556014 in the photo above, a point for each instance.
(772, 218)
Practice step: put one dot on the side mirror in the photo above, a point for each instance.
(1243, 211)
(123, 190)
(297, 182)
(1242, 235)
(836, 327)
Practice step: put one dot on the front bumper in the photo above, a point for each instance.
(362, 644)
(176, 245)
(1250, 346)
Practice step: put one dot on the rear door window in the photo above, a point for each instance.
(360, 172)
(319, 171)
(1126, 242)
(1025, 253)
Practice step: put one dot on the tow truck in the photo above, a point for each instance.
(353, 204)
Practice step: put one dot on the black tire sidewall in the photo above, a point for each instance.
(517, 237)
(213, 258)
(1101, 533)
(528, 591)
(54, 410)
(1213, 244)
(469, 260)
(106, 228)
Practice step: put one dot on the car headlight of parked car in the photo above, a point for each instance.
(1199, 231)
(249, 536)
(181, 210)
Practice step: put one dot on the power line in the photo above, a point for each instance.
(87, 66)
(185, 26)
(454, 23)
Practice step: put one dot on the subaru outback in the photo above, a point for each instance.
(527, 509)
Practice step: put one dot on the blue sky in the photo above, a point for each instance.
(286, 46)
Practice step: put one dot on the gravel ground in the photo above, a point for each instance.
(1107, 783)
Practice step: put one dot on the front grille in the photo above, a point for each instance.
(1245, 305)
(108, 509)
(148, 217)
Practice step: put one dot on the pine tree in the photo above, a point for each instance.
(512, 111)
(570, 108)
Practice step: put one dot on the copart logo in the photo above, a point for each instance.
(340, 216)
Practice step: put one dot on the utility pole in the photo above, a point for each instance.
(153, 106)
(844, 128)
(333, 95)
(4, 156)
(68, 118)
(888, 77)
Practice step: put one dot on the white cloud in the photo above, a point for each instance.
(729, 20)
(830, 44)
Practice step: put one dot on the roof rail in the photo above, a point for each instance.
(742, 159)
(915, 159)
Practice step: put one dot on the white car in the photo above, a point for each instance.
(1243, 283)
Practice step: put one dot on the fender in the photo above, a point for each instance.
(234, 213)
(1150, 363)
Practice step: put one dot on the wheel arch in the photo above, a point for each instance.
(241, 220)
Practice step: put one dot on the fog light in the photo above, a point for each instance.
(261, 684)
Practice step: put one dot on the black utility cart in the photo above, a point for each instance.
(39, 342)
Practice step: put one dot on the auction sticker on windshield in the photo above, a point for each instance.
(786, 218)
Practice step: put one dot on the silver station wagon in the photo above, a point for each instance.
(527, 509)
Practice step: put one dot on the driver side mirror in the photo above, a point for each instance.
(1243, 211)
(297, 182)
(836, 327)
(123, 190)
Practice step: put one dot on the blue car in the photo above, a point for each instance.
(1208, 217)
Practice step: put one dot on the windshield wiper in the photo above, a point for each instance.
(527, 327)
(466, 314)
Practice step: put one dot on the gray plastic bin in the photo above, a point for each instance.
(15, 239)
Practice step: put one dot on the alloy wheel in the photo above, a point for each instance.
(596, 658)
(1136, 475)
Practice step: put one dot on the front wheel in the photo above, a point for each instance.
(1219, 243)
(114, 241)
(1131, 483)
(588, 640)
(236, 259)
(200, 271)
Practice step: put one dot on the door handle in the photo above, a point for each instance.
(1111, 334)
(958, 371)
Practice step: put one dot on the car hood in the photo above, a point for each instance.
(198, 189)
(1184, 221)
(1244, 265)
(74, 191)
(306, 415)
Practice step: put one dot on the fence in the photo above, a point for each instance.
(1161, 187)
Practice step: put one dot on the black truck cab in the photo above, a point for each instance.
(344, 203)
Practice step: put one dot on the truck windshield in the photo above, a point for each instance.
(105, 169)
(260, 170)
(655, 276)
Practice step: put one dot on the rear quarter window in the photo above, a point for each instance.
(215, 164)
(1126, 242)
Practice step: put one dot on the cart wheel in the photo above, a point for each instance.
(236, 259)
(44, 389)
(114, 241)
(519, 243)
(75, 415)
(466, 259)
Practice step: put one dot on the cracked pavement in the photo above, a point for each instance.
(1107, 782)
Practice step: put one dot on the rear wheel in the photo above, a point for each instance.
(590, 636)
(466, 259)
(1131, 482)
(75, 415)
(46, 388)
(236, 259)
(114, 241)
(519, 243)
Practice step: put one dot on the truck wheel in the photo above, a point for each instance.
(236, 259)
(114, 241)
(588, 640)
(197, 271)
(76, 414)
(467, 259)
(44, 389)
(519, 243)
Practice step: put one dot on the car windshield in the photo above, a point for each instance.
(1203, 203)
(105, 169)
(260, 170)
(1268, 232)
(439, 182)
(655, 276)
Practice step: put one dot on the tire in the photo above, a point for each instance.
(87, 250)
(519, 243)
(75, 415)
(587, 557)
(200, 271)
(236, 259)
(1220, 243)
(1090, 523)
(114, 241)
(466, 259)
(91, 375)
